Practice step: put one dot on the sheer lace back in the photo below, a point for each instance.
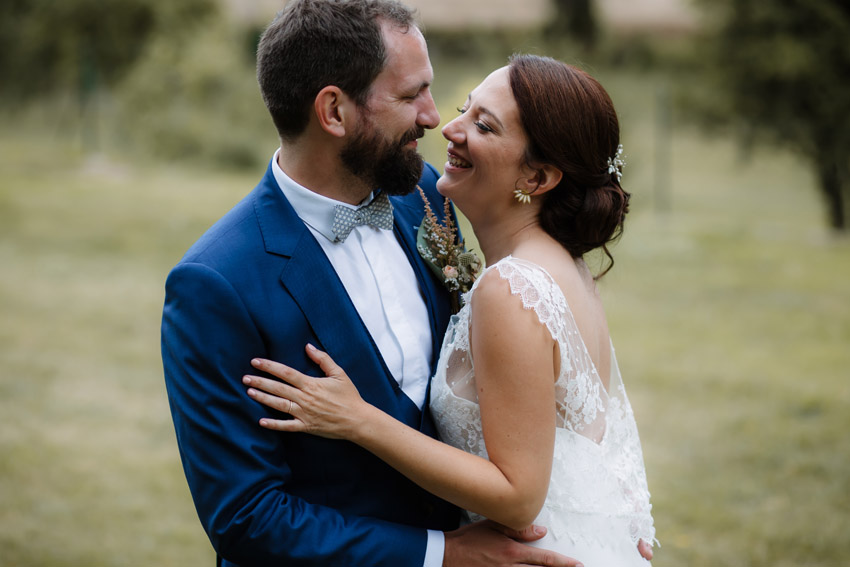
(598, 469)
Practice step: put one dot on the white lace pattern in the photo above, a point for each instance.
(598, 495)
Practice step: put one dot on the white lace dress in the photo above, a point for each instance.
(597, 506)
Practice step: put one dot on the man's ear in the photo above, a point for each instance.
(335, 110)
(541, 178)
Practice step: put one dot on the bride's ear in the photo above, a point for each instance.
(542, 178)
(549, 177)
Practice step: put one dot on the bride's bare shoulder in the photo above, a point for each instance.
(565, 270)
(499, 296)
(500, 311)
(491, 287)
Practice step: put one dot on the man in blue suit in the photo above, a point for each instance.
(322, 251)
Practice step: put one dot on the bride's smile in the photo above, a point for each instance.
(486, 148)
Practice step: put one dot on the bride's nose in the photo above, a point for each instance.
(453, 131)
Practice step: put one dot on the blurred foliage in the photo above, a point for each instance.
(175, 80)
(172, 80)
(78, 45)
(576, 19)
(486, 48)
(198, 99)
(783, 68)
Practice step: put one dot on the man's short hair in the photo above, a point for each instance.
(315, 43)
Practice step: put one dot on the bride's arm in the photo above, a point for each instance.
(515, 375)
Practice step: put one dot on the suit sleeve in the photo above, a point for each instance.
(237, 472)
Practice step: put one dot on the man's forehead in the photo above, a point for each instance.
(408, 65)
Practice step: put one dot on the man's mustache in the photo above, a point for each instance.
(413, 134)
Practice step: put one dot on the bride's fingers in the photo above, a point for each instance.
(288, 425)
(283, 404)
(325, 362)
(282, 371)
(273, 387)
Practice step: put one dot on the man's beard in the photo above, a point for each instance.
(382, 163)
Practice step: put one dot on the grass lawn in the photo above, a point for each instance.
(730, 312)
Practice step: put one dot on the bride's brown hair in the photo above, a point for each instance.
(571, 124)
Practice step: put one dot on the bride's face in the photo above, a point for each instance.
(486, 149)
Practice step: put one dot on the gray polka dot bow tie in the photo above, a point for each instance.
(378, 213)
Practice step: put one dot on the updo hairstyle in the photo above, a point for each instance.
(571, 124)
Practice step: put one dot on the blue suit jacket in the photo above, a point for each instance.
(257, 284)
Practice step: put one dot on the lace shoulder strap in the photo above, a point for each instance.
(580, 393)
(537, 290)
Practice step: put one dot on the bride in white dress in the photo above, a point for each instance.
(528, 399)
(597, 505)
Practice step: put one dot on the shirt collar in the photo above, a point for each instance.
(317, 211)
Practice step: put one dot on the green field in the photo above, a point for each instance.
(730, 312)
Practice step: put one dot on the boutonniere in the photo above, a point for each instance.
(445, 253)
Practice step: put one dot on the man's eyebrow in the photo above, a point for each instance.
(416, 89)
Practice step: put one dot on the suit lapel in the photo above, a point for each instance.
(407, 221)
(314, 285)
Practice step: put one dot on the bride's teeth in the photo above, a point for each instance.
(458, 162)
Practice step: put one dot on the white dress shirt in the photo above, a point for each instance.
(382, 286)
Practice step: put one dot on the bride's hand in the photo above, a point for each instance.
(327, 406)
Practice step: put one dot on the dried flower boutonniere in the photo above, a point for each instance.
(445, 254)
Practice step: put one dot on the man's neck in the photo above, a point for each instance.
(319, 169)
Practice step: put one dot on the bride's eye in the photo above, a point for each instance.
(483, 127)
(461, 110)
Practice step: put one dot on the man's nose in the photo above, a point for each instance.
(428, 117)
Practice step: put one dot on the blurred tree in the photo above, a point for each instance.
(575, 19)
(197, 99)
(47, 45)
(783, 67)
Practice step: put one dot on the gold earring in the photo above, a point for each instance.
(523, 197)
